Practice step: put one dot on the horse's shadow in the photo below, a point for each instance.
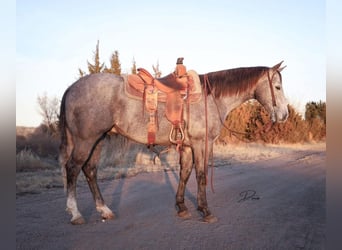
(171, 177)
(170, 169)
(187, 195)
(115, 195)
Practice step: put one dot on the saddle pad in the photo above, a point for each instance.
(196, 91)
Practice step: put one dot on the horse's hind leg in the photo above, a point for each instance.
(73, 168)
(65, 150)
(90, 171)
(80, 153)
(186, 163)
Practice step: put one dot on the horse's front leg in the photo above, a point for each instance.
(186, 163)
(201, 177)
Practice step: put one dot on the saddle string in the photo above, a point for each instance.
(206, 156)
(144, 94)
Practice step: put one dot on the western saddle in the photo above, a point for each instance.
(174, 90)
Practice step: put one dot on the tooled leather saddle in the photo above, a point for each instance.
(174, 90)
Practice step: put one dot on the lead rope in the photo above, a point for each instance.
(206, 160)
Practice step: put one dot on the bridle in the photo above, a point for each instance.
(274, 103)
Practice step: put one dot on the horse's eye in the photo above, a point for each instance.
(278, 87)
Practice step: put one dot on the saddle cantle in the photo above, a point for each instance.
(174, 89)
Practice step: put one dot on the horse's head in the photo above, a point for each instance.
(269, 92)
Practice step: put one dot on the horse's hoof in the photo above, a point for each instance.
(108, 216)
(78, 221)
(106, 213)
(184, 214)
(210, 219)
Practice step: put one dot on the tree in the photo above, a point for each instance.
(315, 115)
(134, 67)
(81, 72)
(49, 110)
(157, 72)
(115, 65)
(315, 110)
(97, 67)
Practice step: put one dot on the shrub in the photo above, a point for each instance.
(250, 118)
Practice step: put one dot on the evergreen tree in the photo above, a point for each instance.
(314, 110)
(323, 112)
(97, 67)
(115, 65)
(134, 67)
(81, 72)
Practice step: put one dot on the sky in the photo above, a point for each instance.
(56, 38)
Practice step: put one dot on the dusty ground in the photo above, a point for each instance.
(266, 197)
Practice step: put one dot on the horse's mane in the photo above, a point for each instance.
(233, 81)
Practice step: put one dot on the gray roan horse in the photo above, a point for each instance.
(96, 104)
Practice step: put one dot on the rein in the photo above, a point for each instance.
(265, 128)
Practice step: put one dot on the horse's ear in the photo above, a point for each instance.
(280, 69)
(276, 67)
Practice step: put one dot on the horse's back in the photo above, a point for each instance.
(93, 84)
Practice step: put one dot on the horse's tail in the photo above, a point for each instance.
(63, 157)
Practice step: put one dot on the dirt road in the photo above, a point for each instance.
(277, 203)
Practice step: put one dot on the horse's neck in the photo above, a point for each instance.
(227, 103)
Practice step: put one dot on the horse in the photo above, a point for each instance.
(96, 105)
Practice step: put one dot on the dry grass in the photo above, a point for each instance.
(34, 174)
(26, 160)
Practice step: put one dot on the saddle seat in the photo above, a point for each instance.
(167, 84)
(136, 85)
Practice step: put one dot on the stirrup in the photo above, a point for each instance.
(179, 141)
